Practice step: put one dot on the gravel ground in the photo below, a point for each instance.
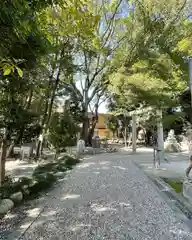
(107, 197)
(14, 217)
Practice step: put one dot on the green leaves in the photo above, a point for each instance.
(6, 71)
(62, 131)
(8, 67)
(149, 68)
(19, 71)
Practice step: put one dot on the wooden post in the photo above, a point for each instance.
(134, 134)
(160, 138)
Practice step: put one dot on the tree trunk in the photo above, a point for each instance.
(39, 145)
(10, 150)
(18, 139)
(37, 155)
(147, 137)
(125, 137)
(91, 133)
(85, 130)
(48, 108)
(113, 132)
(3, 159)
(93, 125)
(52, 98)
(20, 134)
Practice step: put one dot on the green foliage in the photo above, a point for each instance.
(70, 161)
(62, 131)
(137, 59)
(44, 176)
(48, 167)
(8, 67)
(112, 124)
(177, 185)
(12, 185)
(149, 69)
(41, 182)
(59, 165)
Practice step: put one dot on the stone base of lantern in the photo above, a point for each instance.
(172, 147)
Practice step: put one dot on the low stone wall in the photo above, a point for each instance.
(187, 189)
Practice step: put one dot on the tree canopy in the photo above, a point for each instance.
(83, 53)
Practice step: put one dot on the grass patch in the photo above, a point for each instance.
(177, 185)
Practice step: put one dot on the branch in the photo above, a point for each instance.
(167, 27)
(71, 88)
(86, 65)
(101, 101)
(112, 18)
(178, 13)
(96, 73)
(81, 84)
(118, 42)
(97, 89)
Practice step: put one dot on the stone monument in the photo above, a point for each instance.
(187, 184)
(187, 189)
(189, 140)
(80, 147)
(96, 144)
(171, 144)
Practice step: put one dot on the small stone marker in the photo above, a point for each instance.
(80, 147)
(27, 150)
(106, 145)
(96, 143)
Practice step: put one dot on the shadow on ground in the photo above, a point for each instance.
(27, 211)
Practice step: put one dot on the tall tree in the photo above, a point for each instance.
(93, 59)
(21, 46)
(149, 72)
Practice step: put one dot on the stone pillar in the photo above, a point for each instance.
(189, 140)
(134, 134)
(80, 148)
(190, 85)
(190, 76)
(93, 143)
(160, 139)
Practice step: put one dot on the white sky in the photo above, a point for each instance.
(102, 108)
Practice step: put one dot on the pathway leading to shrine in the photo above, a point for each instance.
(107, 197)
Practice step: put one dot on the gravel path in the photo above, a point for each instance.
(107, 197)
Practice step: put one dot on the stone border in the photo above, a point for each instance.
(172, 198)
(19, 231)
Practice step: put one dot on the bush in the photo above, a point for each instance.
(48, 167)
(62, 131)
(41, 182)
(42, 179)
(61, 167)
(70, 161)
(12, 185)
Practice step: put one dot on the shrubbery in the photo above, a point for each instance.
(70, 161)
(62, 131)
(43, 178)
